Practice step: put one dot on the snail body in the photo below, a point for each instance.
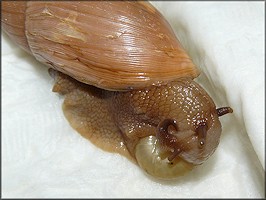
(127, 81)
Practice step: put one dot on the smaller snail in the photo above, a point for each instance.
(127, 81)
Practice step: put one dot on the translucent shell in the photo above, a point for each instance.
(114, 45)
(150, 158)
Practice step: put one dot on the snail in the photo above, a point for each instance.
(127, 80)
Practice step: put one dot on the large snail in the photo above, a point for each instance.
(127, 81)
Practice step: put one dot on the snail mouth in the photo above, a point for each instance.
(151, 159)
(174, 151)
(167, 132)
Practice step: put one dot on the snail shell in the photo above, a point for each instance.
(111, 45)
(167, 122)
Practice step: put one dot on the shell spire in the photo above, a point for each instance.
(13, 22)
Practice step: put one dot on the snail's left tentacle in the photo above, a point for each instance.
(166, 139)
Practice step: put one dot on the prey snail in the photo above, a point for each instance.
(127, 81)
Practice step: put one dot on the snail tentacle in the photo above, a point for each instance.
(202, 133)
(174, 154)
(224, 110)
(168, 140)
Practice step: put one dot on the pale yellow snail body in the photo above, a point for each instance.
(127, 81)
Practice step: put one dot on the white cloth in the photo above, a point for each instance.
(42, 156)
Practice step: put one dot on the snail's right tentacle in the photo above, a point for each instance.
(202, 133)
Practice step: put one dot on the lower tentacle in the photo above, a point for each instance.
(166, 139)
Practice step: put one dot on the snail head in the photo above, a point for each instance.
(194, 145)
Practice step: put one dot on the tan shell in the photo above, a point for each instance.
(112, 45)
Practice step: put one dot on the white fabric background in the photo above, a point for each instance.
(42, 156)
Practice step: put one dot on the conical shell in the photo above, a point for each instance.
(113, 45)
(13, 22)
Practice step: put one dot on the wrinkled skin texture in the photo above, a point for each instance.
(138, 114)
(116, 121)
